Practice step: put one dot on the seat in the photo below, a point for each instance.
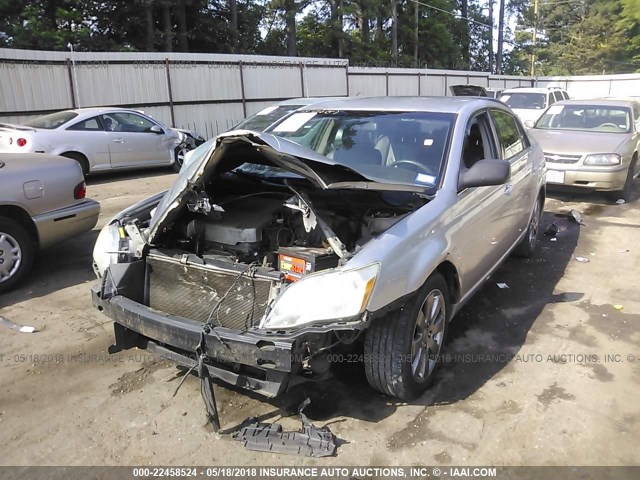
(108, 124)
(406, 141)
(473, 150)
(357, 148)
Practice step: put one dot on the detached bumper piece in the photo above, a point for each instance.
(269, 437)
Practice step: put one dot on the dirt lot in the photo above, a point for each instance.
(527, 383)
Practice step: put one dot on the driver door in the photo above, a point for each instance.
(132, 143)
(478, 235)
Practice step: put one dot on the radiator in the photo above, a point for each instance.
(193, 291)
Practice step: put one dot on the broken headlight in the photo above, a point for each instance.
(323, 297)
(107, 247)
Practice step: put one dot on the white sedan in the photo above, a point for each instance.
(98, 139)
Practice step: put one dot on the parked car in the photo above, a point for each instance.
(42, 202)
(494, 92)
(529, 103)
(98, 139)
(591, 144)
(468, 91)
(366, 221)
(474, 91)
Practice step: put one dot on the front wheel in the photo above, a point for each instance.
(625, 193)
(16, 253)
(402, 350)
(179, 153)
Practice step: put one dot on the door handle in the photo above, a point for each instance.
(508, 188)
(119, 140)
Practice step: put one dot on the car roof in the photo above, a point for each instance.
(303, 101)
(406, 104)
(533, 90)
(97, 110)
(608, 102)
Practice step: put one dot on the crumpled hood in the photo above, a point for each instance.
(232, 149)
(574, 142)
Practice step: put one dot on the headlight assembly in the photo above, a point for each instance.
(323, 297)
(603, 159)
(108, 246)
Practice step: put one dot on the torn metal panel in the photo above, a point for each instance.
(269, 437)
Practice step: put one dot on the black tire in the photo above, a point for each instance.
(179, 154)
(389, 348)
(527, 246)
(14, 236)
(625, 193)
(81, 159)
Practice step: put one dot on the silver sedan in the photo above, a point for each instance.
(370, 219)
(42, 202)
(592, 144)
(98, 139)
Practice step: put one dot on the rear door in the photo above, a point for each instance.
(514, 147)
(132, 143)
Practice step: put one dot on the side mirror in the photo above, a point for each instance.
(156, 129)
(529, 123)
(485, 173)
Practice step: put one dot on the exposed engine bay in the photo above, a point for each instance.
(255, 238)
(250, 225)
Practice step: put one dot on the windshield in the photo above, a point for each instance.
(394, 147)
(51, 121)
(594, 118)
(525, 100)
(266, 117)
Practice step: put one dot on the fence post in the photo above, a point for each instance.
(244, 100)
(73, 90)
(386, 75)
(173, 116)
(302, 79)
(346, 74)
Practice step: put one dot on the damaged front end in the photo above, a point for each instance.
(248, 265)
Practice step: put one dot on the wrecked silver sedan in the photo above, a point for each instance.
(360, 224)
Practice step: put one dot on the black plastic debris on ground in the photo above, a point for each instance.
(269, 437)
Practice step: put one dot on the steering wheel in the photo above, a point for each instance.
(608, 125)
(418, 165)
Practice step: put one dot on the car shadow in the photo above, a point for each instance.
(482, 340)
(116, 176)
(63, 265)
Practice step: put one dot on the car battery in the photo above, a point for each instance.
(296, 262)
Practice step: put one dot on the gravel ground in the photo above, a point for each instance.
(545, 372)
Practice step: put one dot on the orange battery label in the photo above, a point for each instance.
(293, 267)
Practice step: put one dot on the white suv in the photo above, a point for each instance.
(529, 103)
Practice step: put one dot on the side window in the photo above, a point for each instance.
(90, 125)
(558, 95)
(636, 112)
(565, 95)
(478, 141)
(510, 136)
(126, 122)
(550, 98)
